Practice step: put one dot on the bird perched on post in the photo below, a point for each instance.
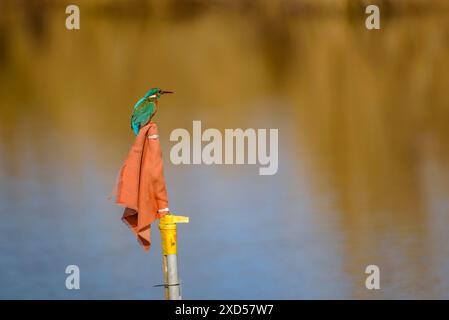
(146, 108)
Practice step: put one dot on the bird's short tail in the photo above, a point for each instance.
(135, 128)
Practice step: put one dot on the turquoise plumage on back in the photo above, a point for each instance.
(142, 114)
(145, 109)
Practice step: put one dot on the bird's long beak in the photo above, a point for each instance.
(165, 91)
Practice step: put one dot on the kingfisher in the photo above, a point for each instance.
(145, 109)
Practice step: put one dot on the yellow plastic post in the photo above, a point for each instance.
(167, 226)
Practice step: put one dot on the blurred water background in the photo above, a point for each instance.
(363, 147)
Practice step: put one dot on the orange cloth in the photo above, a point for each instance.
(141, 184)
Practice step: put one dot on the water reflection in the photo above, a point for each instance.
(363, 173)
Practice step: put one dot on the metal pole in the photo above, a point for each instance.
(167, 226)
(165, 265)
(174, 287)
